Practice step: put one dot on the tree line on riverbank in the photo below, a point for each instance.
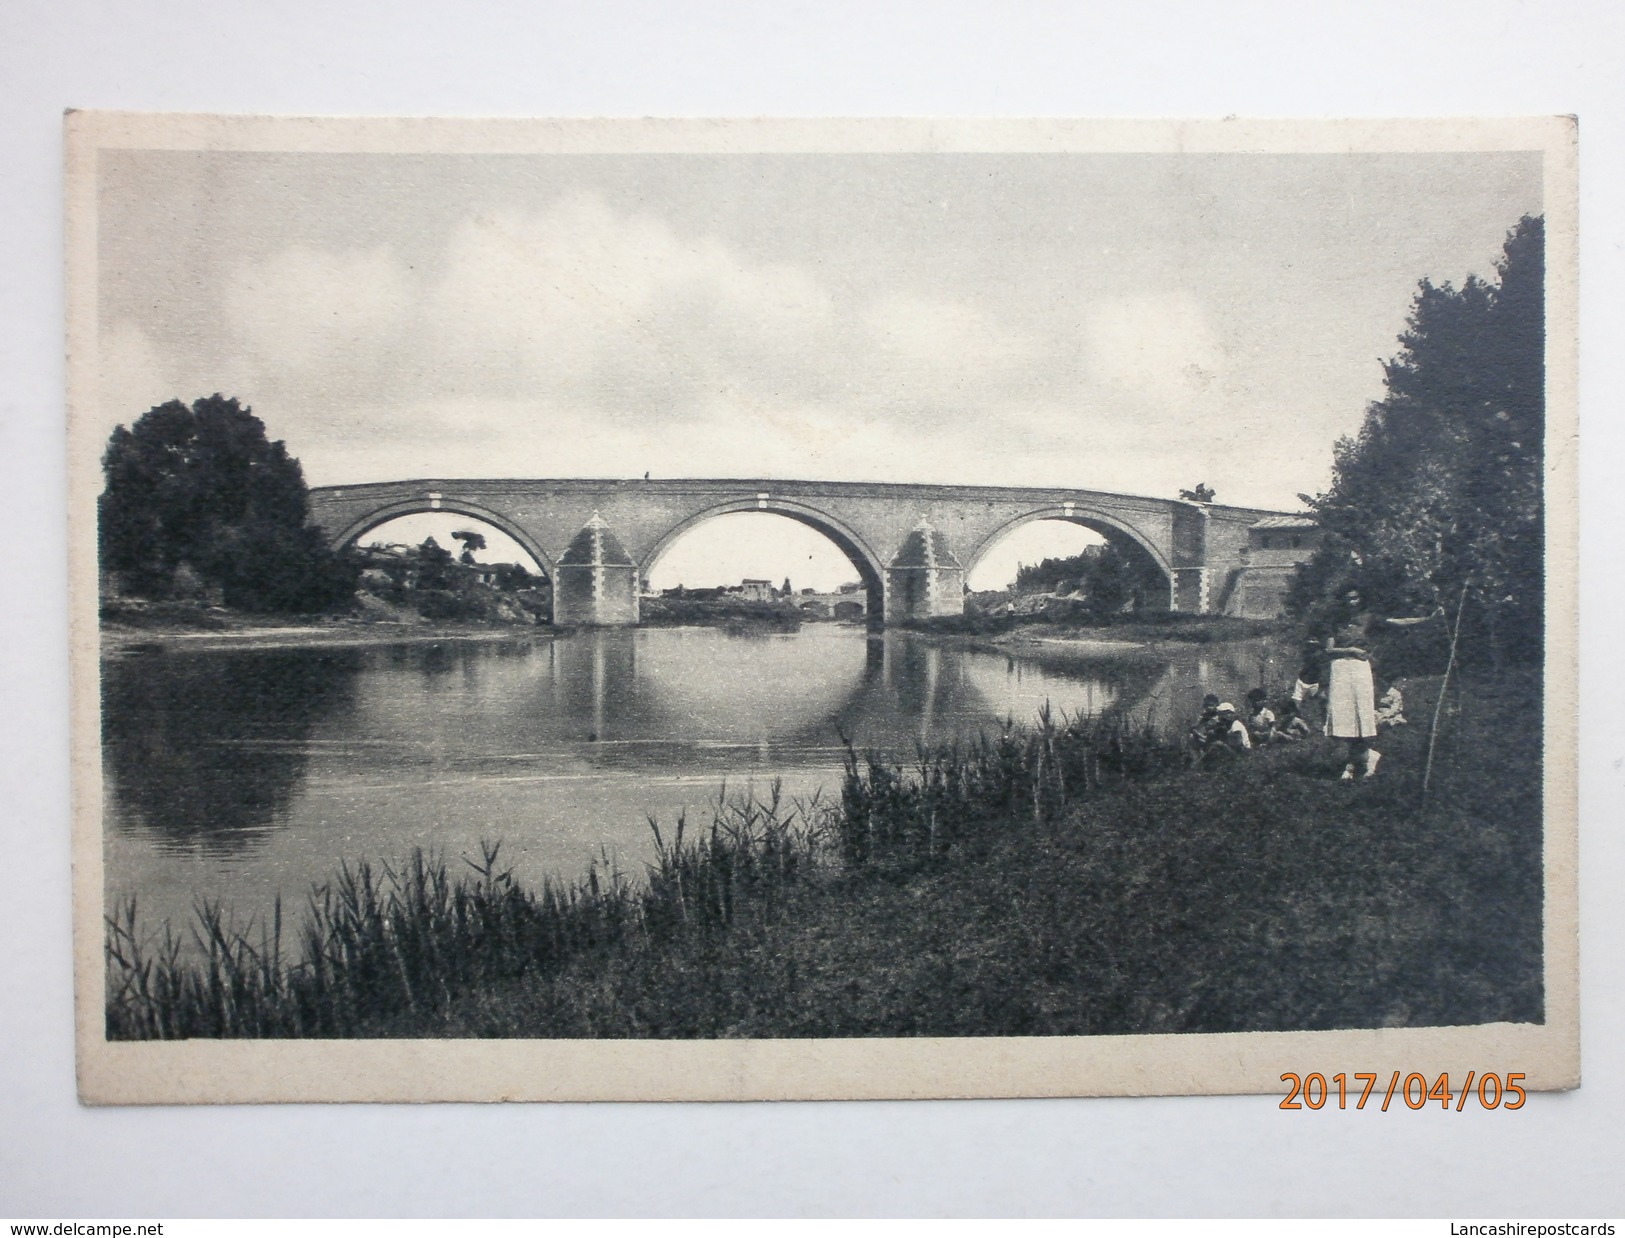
(1438, 500)
(201, 506)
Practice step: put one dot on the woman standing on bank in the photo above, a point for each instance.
(1351, 699)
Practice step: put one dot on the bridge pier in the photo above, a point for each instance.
(595, 582)
(1189, 589)
(924, 578)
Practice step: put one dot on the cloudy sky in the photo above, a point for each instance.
(1120, 322)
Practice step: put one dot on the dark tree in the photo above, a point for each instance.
(1047, 575)
(1106, 578)
(434, 565)
(514, 576)
(200, 490)
(1440, 492)
(471, 542)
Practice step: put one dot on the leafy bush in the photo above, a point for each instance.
(200, 492)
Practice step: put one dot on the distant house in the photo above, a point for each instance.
(847, 604)
(1281, 541)
(1276, 547)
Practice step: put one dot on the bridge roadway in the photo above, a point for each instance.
(912, 545)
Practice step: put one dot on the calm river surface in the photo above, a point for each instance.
(240, 774)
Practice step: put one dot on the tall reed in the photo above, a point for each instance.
(962, 795)
(385, 948)
(384, 944)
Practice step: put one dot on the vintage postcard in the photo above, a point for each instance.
(725, 610)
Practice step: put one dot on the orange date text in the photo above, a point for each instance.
(1490, 1090)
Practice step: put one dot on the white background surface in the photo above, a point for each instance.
(1560, 1156)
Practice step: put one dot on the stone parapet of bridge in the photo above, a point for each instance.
(913, 546)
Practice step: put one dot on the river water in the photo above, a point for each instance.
(237, 775)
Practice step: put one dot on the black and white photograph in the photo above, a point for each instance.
(772, 609)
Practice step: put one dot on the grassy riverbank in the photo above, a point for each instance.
(1141, 628)
(736, 613)
(1064, 879)
(195, 626)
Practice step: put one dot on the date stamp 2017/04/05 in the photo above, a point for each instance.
(1313, 1090)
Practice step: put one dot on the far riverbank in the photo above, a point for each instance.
(194, 626)
(187, 626)
(1102, 637)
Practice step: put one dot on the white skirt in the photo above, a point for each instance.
(1351, 707)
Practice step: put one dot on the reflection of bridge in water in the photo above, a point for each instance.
(890, 692)
(622, 698)
(211, 752)
(912, 545)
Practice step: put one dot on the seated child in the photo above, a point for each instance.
(1201, 735)
(1230, 732)
(1291, 726)
(1307, 685)
(1306, 688)
(1260, 718)
(1391, 708)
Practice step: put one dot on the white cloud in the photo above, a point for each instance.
(306, 310)
(584, 341)
(580, 297)
(1160, 347)
(579, 338)
(932, 335)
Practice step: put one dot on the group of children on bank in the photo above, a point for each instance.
(1338, 676)
(1221, 732)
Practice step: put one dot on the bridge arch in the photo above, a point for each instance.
(869, 566)
(1113, 528)
(456, 507)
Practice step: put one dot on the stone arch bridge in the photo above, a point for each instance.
(912, 545)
